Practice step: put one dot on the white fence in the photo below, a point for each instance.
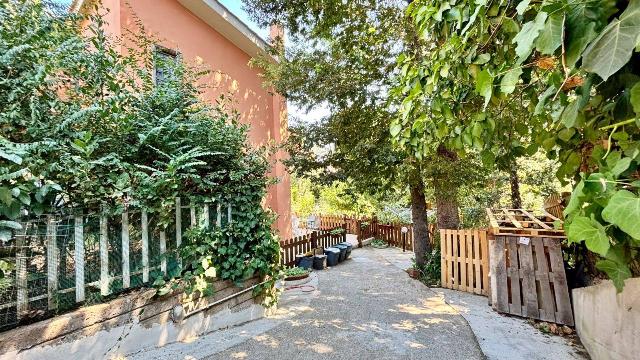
(61, 261)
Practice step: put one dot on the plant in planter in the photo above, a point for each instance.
(379, 244)
(295, 273)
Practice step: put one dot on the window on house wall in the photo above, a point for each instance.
(163, 61)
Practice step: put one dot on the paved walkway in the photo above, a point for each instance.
(365, 308)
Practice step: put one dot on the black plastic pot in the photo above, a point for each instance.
(349, 248)
(343, 252)
(306, 262)
(333, 256)
(320, 262)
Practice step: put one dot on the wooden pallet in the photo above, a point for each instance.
(464, 260)
(528, 278)
(525, 223)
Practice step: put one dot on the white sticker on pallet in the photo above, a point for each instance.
(524, 240)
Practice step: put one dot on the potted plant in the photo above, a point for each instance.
(379, 244)
(295, 273)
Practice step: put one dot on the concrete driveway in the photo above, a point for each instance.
(364, 308)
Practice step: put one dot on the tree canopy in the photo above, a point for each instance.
(572, 65)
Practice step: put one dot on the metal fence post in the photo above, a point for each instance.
(52, 264)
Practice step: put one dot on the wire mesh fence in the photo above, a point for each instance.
(61, 262)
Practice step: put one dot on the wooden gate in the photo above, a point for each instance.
(528, 278)
(464, 260)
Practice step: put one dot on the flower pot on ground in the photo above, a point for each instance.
(413, 273)
(295, 273)
(379, 244)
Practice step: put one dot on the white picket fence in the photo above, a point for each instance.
(199, 215)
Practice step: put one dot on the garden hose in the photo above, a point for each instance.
(303, 288)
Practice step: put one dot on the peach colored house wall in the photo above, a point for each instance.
(198, 43)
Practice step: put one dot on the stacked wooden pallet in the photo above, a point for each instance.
(527, 275)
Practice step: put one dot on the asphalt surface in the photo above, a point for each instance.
(364, 308)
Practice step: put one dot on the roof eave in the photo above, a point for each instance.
(218, 17)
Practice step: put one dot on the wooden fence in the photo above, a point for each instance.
(62, 261)
(306, 243)
(528, 278)
(392, 234)
(366, 228)
(465, 260)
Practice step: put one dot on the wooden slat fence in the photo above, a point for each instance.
(62, 260)
(465, 260)
(392, 234)
(306, 243)
(528, 278)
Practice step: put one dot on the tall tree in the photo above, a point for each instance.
(555, 59)
(341, 55)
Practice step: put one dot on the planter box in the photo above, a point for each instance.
(96, 332)
(608, 323)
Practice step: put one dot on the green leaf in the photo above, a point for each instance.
(10, 224)
(576, 199)
(522, 6)
(509, 80)
(635, 97)
(395, 129)
(612, 49)
(205, 263)
(210, 272)
(484, 86)
(542, 100)
(528, 35)
(5, 196)
(551, 36)
(617, 272)
(11, 157)
(621, 166)
(580, 36)
(591, 231)
(570, 114)
(623, 210)
(482, 59)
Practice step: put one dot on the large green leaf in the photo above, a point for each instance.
(617, 272)
(623, 211)
(551, 36)
(612, 49)
(522, 6)
(584, 20)
(528, 35)
(591, 231)
(510, 79)
(484, 86)
(395, 129)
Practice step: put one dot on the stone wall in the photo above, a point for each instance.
(131, 323)
(609, 323)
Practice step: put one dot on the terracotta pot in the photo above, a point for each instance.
(413, 273)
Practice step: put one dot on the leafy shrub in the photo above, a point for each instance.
(86, 129)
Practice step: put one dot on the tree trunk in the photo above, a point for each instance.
(421, 241)
(446, 194)
(516, 200)
(447, 216)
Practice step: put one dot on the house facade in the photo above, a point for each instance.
(205, 33)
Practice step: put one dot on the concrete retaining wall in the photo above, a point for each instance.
(608, 323)
(129, 324)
